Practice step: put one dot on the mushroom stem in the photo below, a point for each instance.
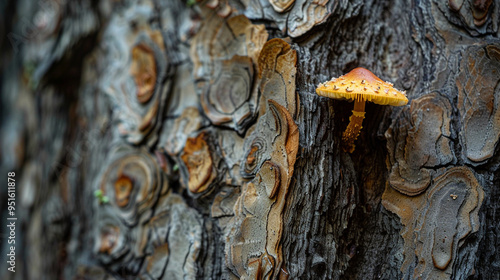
(355, 124)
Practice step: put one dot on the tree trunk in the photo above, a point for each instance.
(185, 140)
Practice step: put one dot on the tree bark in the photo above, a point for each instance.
(184, 140)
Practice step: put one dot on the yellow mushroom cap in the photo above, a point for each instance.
(362, 85)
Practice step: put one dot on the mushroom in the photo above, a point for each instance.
(360, 85)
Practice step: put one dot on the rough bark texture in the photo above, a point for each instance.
(184, 140)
